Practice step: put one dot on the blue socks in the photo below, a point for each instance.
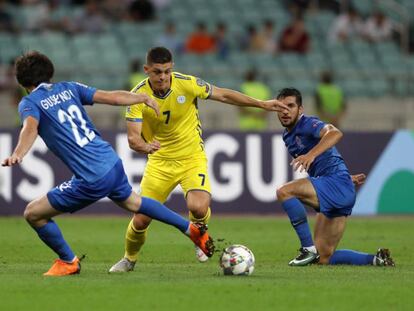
(158, 211)
(297, 215)
(350, 257)
(51, 235)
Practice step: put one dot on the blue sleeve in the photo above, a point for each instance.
(85, 93)
(313, 127)
(26, 109)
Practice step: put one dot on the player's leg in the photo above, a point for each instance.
(39, 213)
(291, 195)
(158, 211)
(198, 204)
(328, 233)
(195, 183)
(156, 184)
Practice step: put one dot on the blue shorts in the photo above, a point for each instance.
(336, 194)
(75, 194)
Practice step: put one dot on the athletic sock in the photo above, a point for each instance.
(51, 235)
(204, 220)
(158, 211)
(134, 240)
(350, 257)
(297, 215)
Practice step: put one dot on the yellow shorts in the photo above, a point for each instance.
(162, 176)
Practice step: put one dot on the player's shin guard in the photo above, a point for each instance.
(297, 215)
(350, 257)
(134, 239)
(203, 220)
(158, 211)
(51, 235)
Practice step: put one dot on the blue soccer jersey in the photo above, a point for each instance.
(67, 130)
(303, 137)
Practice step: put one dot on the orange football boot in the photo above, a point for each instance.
(200, 237)
(62, 268)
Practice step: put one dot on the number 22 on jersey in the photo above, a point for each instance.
(74, 114)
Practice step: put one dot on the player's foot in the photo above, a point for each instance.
(304, 258)
(200, 237)
(201, 257)
(383, 258)
(62, 268)
(124, 265)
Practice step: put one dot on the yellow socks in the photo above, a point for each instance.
(203, 220)
(134, 239)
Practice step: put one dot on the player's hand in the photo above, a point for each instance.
(302, 162)
(153, 147)
(150, 102)
(358, 179)
(12, 160)
(274, 105)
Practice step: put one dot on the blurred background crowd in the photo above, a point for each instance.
(352, 60)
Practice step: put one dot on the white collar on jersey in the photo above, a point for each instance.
(41, 85)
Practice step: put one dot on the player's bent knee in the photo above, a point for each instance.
(140, 222)
(30, 213)
(282, 193)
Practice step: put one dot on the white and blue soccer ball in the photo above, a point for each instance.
(237, 260)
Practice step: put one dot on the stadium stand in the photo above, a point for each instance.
(369, 73)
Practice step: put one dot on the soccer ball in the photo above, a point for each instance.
(237, 260)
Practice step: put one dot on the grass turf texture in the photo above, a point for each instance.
(168, 278)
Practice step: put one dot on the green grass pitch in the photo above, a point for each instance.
(168, 277)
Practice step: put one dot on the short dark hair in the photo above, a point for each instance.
(33, 68)
(159, 55)
(290, 91)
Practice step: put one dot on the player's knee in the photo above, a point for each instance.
(30, 213)
(141, 223)
(198, 209)
(282, 193)
(325, 255)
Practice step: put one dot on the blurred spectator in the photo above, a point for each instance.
(297, 7)
(378, 28)
(250, 118)
(329, 99)
(35, 14)
(268, 37)
(6, 20)
(8, 84)
(136, 74)
(200, 41)
(142, 10)
(221, 41)
(252, 41)
(295, 38)
(170, 39)
(115, 10)
(346, 26)
(90, 19)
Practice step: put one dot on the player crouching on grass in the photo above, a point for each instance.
(329, 189)
(55, 112)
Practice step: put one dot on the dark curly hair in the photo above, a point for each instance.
(33, 68)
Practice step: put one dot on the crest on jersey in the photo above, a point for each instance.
(200, 82)
(181, 99)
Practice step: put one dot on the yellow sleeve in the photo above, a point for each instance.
(201, 88)
(134, 113)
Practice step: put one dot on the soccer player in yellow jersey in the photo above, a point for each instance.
(173, 143)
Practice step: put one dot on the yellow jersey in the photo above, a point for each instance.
(178, 128)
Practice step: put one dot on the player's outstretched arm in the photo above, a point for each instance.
(27, 137)
(330, 136)
(136, 142)
(232, 97)
(124, 98)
